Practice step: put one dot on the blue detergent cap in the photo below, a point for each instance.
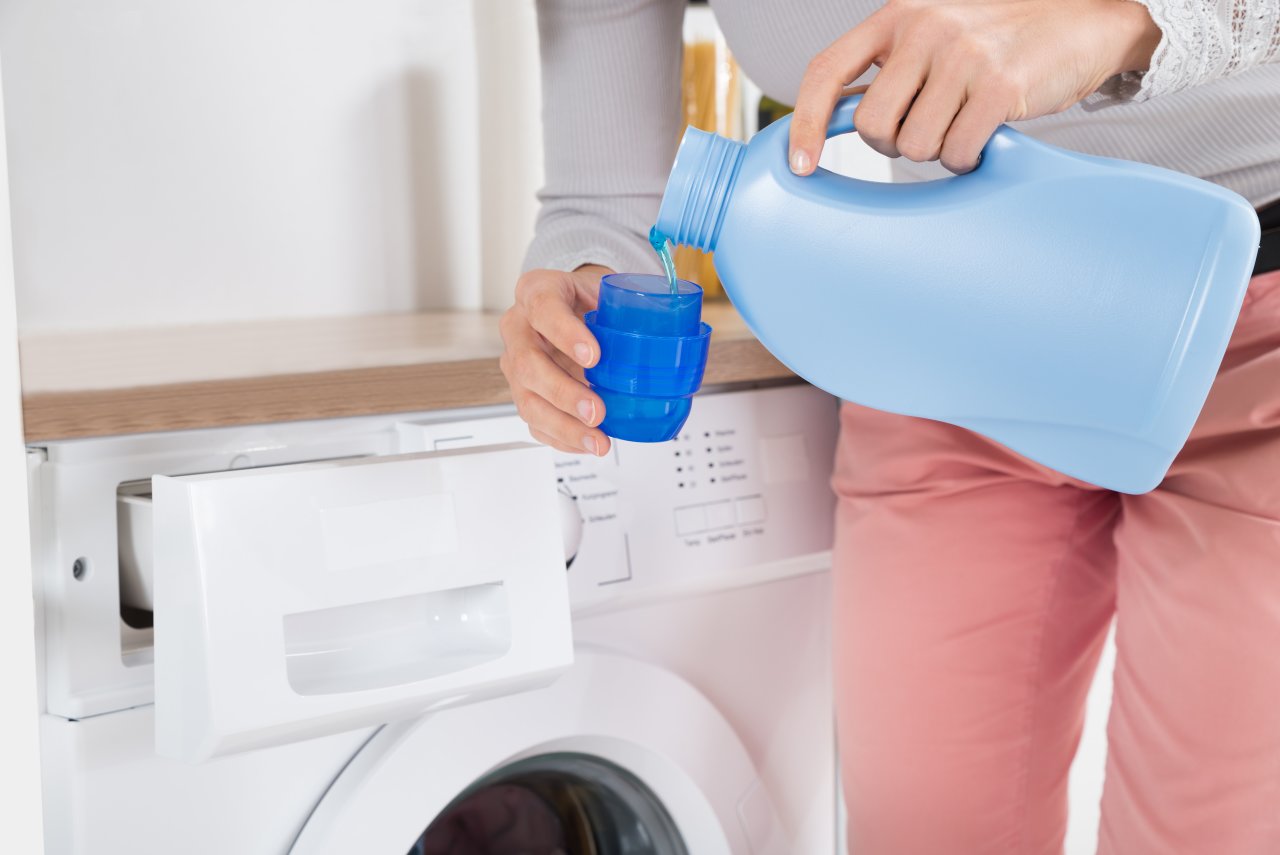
(653, 350)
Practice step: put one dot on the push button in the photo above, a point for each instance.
(751, 510)
(691, 520)
(720, 514)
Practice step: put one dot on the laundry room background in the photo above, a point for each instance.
(181, 162)
(178, 161)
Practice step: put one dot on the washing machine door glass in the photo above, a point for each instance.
(554, 804)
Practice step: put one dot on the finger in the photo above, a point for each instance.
(878, 116)
(567, 365)
(823, 84)
(528, 363)
(551, 442)
(970, 131)
(929, 117)
(547, 439)
(586, 286)
(563, 430)
(536, 372)
(547, 304)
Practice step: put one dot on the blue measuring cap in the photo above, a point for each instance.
(653, 351)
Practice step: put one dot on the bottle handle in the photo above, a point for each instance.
(842, 117)
(1003, 142)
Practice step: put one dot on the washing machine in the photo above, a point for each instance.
(422, 634)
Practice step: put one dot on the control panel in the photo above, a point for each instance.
(741, 495)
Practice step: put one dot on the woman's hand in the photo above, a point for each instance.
(547, 346)
(951, 71)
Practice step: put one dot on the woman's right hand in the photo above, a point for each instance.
(546, 347)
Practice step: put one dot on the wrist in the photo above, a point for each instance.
(1138, 33)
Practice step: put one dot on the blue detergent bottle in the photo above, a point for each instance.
(1072, 308)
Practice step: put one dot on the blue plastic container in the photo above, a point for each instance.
(653, 350)
(1072, 308)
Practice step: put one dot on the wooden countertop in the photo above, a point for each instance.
(175, 378)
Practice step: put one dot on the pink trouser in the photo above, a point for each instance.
(973, 593)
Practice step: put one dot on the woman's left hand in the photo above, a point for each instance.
(951, 71)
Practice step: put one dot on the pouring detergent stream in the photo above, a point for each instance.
(965, 300)
(661, 245)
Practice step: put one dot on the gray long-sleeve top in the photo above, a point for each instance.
(1209, 106)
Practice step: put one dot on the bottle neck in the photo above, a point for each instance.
(698, 191)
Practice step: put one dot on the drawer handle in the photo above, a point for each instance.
(396, 641)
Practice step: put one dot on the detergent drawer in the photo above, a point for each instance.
(292, 601)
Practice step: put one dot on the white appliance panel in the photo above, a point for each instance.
(740, 496)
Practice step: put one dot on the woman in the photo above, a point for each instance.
(973, 588)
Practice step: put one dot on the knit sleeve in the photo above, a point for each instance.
(610, 117)
(1203, 40)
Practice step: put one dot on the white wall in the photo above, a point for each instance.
(20, 792)
(1087, 772)
(181, 161)
(510, 135)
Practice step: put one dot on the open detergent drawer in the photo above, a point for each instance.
(298, 600)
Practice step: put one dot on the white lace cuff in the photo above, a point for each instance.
(1202, 40)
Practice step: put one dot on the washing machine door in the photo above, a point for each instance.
(617, 757)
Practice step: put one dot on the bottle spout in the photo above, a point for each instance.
(699, 188)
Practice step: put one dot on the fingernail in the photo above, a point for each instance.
(587, 411)
(800, 162)
(582, 353)
(589, 443)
